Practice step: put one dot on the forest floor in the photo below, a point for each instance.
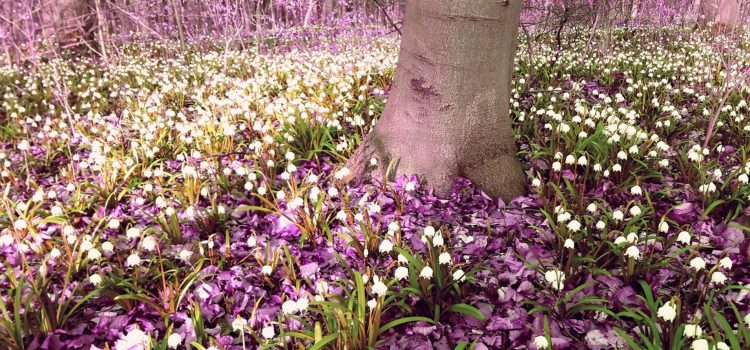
(194, 201)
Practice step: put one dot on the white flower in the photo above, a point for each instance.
(556, 278)
(71, 238)
(372, 303)
(56, 210)
(204, 291)
(266, 270)
(459, 275)
(133, 260)
(393, 226)
(385, 246)
(289, 307)
(718, 277)
(633, 252)
(86, 245)
(707, 188)
(94, 254)
(268, 332)
(570, 159)
(321, 287)
(697, 263)
(536, 183)
(429, 231)
(373, 208)
(149, 243)
(401, 273)
(684, 237)
(95, 279)
(53, 254)
(692, 331)
(426, 272)
(636, 190)
(410, 186)
(617, 215)
(444, 258)
(569, 244)
(437, 241)
(341, 174)
(6, 240)
(726, 262)
(700, 344)
(185, 255)
(239, 324)
(23, 145)
(743, 178)
(252, 242)
(556, 166)
(620, 240)
(379, 288)
(108, 247)
(591, 208)
(668, 311)
(174, 340)
(635, 210)
(541, 342)
(136, 339)
(113, 224)
(302, 304)
(663, 227)
(402, 259)
(133, 233)
(632, 237)
(19, 224)
(719, 346)
(600, 225)
(574, 225)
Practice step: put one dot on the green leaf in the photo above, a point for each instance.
(323, 342)
(728, 331)
(468, 310)
(404, 320)
(628, 339)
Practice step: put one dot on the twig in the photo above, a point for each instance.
(388, 17)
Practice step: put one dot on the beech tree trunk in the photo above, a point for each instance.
(725, 14)
(327, 13)
(76, 22)
(447, 115)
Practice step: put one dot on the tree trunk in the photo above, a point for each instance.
(76, 24)
(328, 7)
(725, 14)
(633, 12)
(447, 115)
(308, 13)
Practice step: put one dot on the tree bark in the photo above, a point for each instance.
(725, 14)
(327, 13)
(76, 23)
(308, 13)
(447, 115)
